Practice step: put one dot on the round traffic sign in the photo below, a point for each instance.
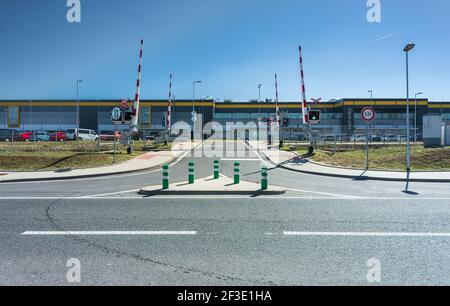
(116, 114)
(368, 114)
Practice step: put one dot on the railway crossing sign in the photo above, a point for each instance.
(368, 114)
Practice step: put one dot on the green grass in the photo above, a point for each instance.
(21, 156)
(58, 160)
(387, 158)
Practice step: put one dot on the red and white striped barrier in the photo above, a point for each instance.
(303, 89)
(169, 110)
(138, 90)
(276, 101)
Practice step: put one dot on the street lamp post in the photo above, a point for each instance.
(415, 116)
(78, 103)
(31, 114)
(408, 48)
(259, 101)
(193, 100)
(371, 125)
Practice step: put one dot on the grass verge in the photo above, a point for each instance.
(43, 156)
(387, 158)
(35, 161)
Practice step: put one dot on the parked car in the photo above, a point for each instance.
(25, 136)
(401, 138)
(82, 135)
(9, 135)
(58, 136)
(377, 138)
(358, 138)
(40, 136)
(109, 136)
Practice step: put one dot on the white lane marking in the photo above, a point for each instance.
(230, 197)
(257, 154)
(109, 194)
(106, 233)
(240, 159)
(108, 176)
(325, 193)
(365, 234)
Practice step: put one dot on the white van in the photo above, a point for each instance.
(82, 135)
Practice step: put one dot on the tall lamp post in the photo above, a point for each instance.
(371, 102)
(78, 103)
(408, 48)
(193, 101)
(259, 101)
(415, 116)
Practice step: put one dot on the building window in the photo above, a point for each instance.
(145, 116)
(13, 117)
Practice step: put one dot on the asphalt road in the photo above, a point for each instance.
(323, 231)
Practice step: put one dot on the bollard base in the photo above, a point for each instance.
(209, 186)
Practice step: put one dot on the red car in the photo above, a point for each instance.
(26, 136)
(109, 136)
(60, 135)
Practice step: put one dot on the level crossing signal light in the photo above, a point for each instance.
(314, 116)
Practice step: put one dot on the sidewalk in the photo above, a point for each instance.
(291, 161)
(148, 161)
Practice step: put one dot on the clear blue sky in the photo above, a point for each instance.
(231, 45)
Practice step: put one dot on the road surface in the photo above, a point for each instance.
(323, 231)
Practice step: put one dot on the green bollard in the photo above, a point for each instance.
(216, 169)
(191, 173)
(237, 177)
(264, 181)
(165, 182)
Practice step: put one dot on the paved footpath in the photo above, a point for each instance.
(292, 161)
(146, 161)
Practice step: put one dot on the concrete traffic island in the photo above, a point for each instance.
(210, 186)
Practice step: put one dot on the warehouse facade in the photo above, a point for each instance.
(338, 117)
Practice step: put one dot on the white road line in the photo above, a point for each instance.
(240, 159)
(109, 194)
(106, 233)
(257, 154)
(365, 234)
(325, 193)
(231, 197)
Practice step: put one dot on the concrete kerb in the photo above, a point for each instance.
(211, 186)
(159, 192)
(361, 177)
(94, 175)
(44, 179)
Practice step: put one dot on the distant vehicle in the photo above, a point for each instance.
(9, 135)
(58, 136)
(40, 136)
(109, 136)
(358, 138)
(377, 138)
(401, 138)
(25, 136)
(82, 135)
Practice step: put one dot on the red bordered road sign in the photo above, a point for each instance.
(368, 114)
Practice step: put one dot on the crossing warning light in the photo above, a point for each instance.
(314, 117)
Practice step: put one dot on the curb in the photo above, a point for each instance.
(92, 175)
(358, 178)
(364, 177)
(210, 192)
(86, 175)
